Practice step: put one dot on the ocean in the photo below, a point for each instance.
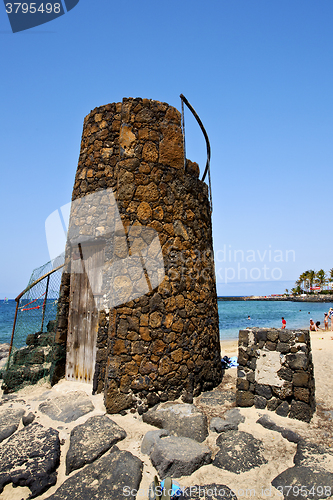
(232, 316)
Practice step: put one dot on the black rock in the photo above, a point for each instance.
(91, 440)
(30, 458)
(152, 399)
(301, 483)
(264, 390)
(178, 456)
(300, 411)
(217, 398)
(219, 425)
(312, 455)
(267, 422)
(68, 407)
(9, 421)
(112, 476)
(180, 419)
(291, 436)
(232, 418)
(273, 403)
(28, 419)
(282, 409)
(260, 402)
(239, 452)
(150, 438)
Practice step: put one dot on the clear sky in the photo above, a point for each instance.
(259, 74)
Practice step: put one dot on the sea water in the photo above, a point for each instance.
(232, 316)
(28, 321)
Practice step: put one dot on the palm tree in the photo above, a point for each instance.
(330, 276)
(320, 278)
(297, 290)
(300, 282)
(310, 277)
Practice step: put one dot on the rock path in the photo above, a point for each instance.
(61, 445)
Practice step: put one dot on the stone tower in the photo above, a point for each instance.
(138, 334)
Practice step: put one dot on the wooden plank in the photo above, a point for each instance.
(83, 313)
(73, 319)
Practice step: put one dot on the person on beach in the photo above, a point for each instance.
(326, 321)
(330, 315)
(283, 323)
(313, 326)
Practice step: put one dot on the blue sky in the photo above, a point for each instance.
(258, 72)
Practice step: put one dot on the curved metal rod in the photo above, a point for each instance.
(183, 98)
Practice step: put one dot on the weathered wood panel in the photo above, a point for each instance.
(85, 291)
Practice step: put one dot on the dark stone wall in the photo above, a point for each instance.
(164, 344)
(276, 372)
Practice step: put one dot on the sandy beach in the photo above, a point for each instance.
(278, 451)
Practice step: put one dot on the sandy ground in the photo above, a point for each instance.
(255, 483)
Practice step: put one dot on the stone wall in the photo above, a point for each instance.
(164, 343)
(276, 372)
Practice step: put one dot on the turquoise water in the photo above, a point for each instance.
(232, 315)
(28, 321)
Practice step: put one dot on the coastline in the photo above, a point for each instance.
(307, 298)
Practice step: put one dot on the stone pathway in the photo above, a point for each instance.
(61, 446)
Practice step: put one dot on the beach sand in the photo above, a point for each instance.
(277, 450)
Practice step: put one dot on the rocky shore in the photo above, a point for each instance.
(59, 443)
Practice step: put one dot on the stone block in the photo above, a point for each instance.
(285, 335)
(302, 394)
(301, 379)
(242, 384)
(298, 361)
(263, 390)
(242, 357)
(239, 452)
(261, 335)
(243, 337)
(283, 409)
(30, 458)
(283, 392)
(273, 403)
(260, 402)
(282, 347)
(244, 398)
(272, 335)
(300, 411)
(285, 373)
